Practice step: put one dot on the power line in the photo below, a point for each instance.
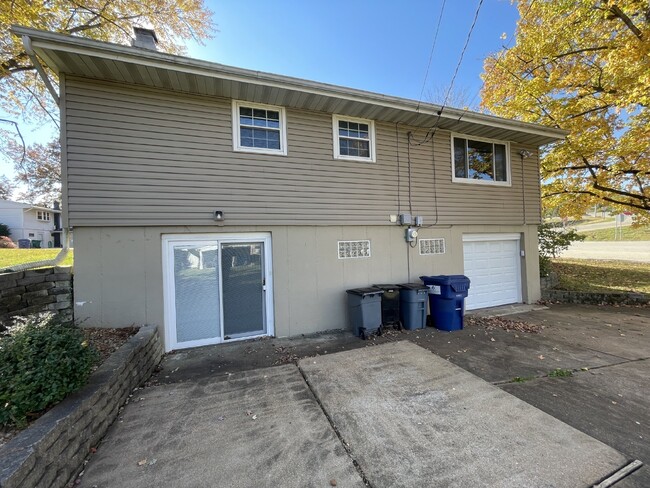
(433, 47)
(431, 132)
(462, 54)
(499, 58)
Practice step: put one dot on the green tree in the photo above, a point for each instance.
(583, 66)
(24, 96)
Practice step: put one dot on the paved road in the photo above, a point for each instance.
(623, 250)
(601, 225)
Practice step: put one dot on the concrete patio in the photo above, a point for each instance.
(395, 414)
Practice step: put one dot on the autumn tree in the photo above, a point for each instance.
(38, 170)
(6, 188)
(583, 66)
(24, 96)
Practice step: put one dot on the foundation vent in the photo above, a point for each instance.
(354, 249)
(429, 247)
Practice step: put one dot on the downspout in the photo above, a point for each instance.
(48, 262)
(27, 43)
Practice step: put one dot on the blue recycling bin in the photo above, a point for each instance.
(447, 295)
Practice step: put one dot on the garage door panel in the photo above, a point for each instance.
(493, 267)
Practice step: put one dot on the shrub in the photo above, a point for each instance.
(552, 241)
(42, 359)
(7, 243)
(4, 230)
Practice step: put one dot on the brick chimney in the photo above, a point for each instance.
(144, 38)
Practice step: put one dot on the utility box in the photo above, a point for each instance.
(364, 308)
(413, 305)
(389, 305)
(447, 295)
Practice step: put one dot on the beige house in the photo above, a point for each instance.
(221, 203)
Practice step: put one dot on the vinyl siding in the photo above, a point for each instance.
(140, 157)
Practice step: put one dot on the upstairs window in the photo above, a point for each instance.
(480, 161)
(354, 139)
(259, 128)
(44, 216)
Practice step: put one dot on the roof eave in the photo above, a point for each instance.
(43, 42)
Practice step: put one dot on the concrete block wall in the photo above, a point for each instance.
(593, 298)
(34, 291)
(51, 451)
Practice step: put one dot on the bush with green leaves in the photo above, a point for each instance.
(552, 241)
(43, 358)
(4, 230)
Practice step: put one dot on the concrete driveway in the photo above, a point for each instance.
(396, 415)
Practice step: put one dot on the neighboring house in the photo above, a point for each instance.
(222, 203)
(27, 221)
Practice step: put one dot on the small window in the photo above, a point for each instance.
(259, 128)
(480, 161)
(429, 247)
(354, 139)
(354, 249)
(44, 216)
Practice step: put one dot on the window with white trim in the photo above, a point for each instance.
(478, 160)
(44, 216)
(353, 138)
(259, 128)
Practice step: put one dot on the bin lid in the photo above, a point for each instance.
(445, 280)
(413, 286)
(387, 287)
(371, 290)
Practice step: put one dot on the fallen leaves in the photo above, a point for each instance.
(286, 355)
(146, 462)
(491, 323)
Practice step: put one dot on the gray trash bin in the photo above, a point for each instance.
(24, 243)
(413, 305)
(364, 308)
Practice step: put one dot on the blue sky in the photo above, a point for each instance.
(381, 46)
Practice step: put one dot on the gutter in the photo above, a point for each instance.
(27, 43)
(119, 53)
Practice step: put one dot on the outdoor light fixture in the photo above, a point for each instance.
(524, 153)
(218, 215)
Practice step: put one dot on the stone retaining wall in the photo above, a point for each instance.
(35, 290)
(52, 449)
(591, 298)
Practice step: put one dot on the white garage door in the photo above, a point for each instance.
(492, 263)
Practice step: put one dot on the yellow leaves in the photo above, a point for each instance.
(174, 21)
(583, 68)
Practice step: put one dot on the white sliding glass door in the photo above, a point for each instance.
(217, 288)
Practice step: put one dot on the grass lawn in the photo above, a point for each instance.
(629, 234)
(602, 276)
(12, 257)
